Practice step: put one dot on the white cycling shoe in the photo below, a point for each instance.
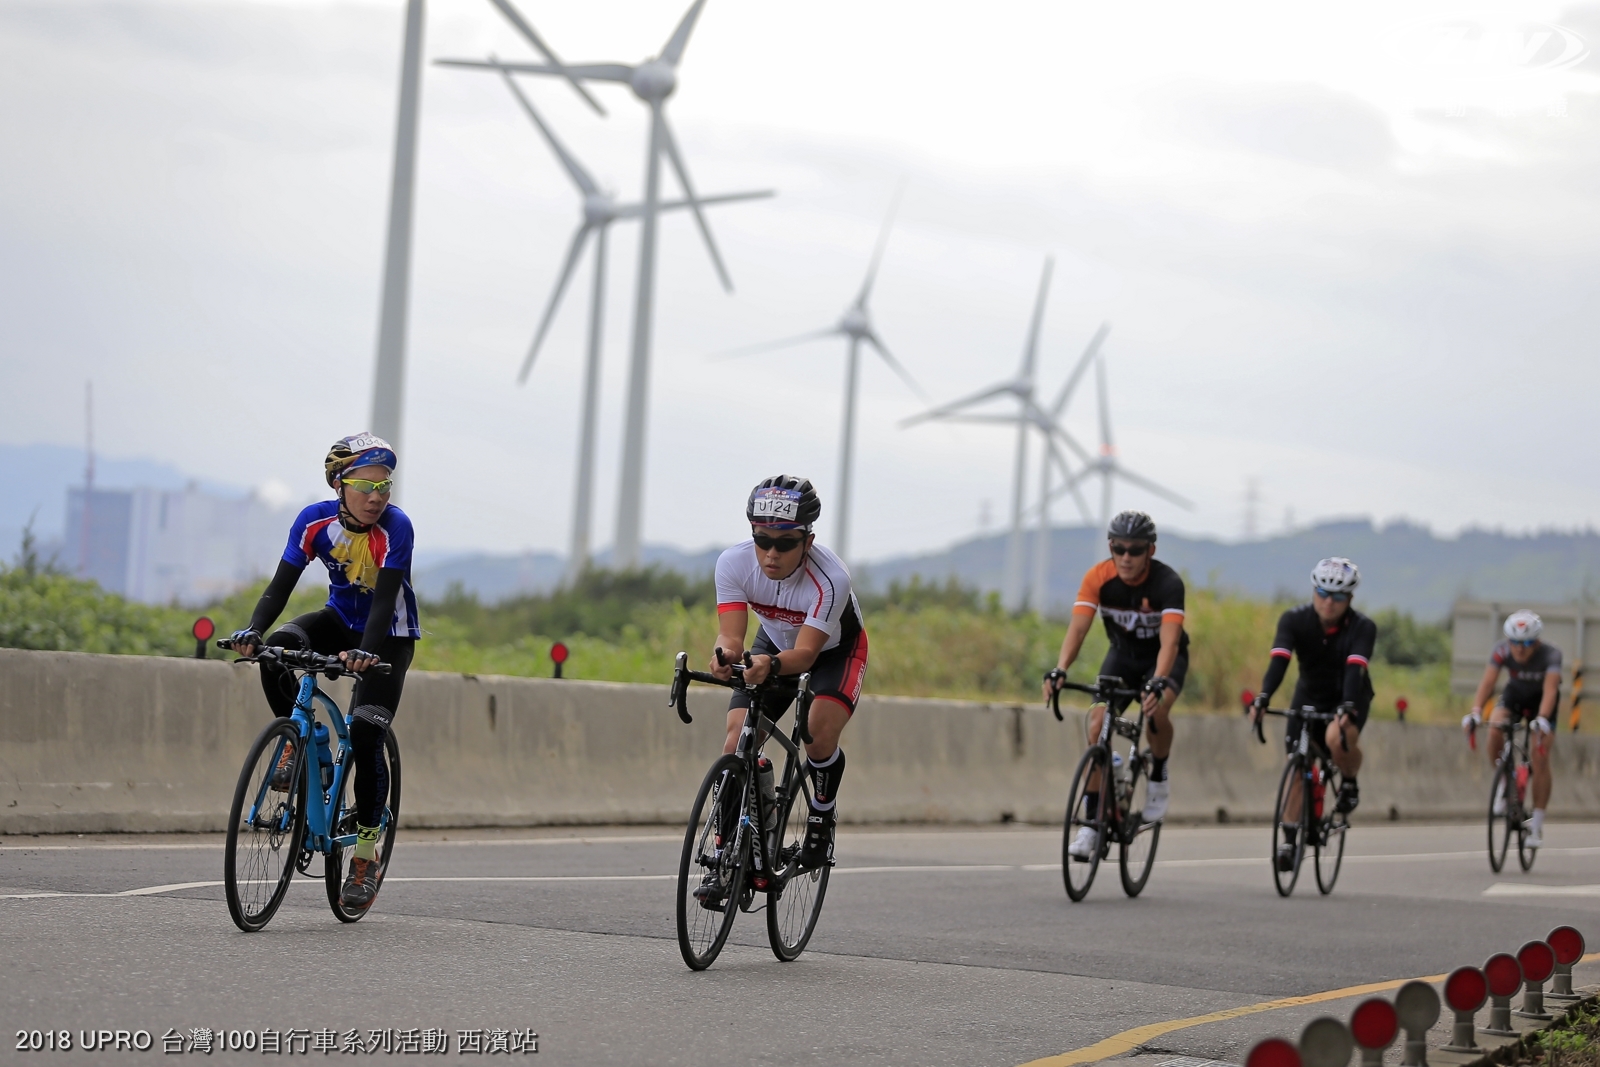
(1499, 808)
(1083, 846)
(1155, 801)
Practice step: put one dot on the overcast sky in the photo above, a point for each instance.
(1349, 251)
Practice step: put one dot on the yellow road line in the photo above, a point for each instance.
(1129, 1040)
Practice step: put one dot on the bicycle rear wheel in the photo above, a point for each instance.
(713, 851)
(1284, 880)
(1329, 845)
(1502, 792)
(1139, 838)
(1078, 875)
(333, 863)
(795, 898)
(1525, 854)
(265, 827)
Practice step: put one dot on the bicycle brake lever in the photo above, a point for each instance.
(1055, 705)
(678, 697)
(1261, 734)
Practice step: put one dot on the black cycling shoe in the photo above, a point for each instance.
(1285, 857)
(360, 885)
(1349, 797)
(712, 891)
(818, 848)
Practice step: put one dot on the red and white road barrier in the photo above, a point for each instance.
(1465, 991)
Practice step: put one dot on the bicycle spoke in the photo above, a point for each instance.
(795, 900)
(710, 871)
(264, 830)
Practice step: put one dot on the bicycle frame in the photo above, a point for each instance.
(1310, 757)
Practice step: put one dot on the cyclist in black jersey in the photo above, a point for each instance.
(1531, 692)
(1140, 600)
(1333, 642)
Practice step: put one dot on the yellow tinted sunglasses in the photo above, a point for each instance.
(362, 485)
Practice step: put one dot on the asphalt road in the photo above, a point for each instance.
(936, 946)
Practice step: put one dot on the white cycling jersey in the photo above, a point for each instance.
(817, 594)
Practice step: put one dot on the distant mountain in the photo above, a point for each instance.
(1402, 566)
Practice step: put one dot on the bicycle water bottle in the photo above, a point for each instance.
(1121, 774)
(769, 792)
(1318, 788)
(1522, 782)
(319, 734)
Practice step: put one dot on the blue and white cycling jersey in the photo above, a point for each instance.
(353, 561)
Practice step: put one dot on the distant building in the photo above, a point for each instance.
(162, 546)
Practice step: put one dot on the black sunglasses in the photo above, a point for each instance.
(1337, 598)
(1129, 550)
(782, 544)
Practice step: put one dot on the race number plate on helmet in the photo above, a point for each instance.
(775, 505)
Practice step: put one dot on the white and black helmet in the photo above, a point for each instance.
(1523, 626)
(1335, 575)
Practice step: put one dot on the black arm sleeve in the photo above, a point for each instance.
(1279, 666)
(381, 618)
(1362, 643)
(275, 597)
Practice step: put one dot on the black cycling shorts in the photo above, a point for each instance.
(1134, 671)
(1522, 704)
(1291, 737)
(837, 675)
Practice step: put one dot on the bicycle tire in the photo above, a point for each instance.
(700, 938)
(1501, 786)
(1137, 852)
(1326, 833)
(333, 860)
(1525, 855)
(794, 898)
(1284, 881)
(271, 845)
(1094, 758)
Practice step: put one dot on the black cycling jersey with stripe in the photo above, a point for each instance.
(1333, 662)
(1524, 689)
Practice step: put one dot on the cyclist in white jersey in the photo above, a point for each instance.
(809, 622)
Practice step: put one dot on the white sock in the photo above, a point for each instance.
(1538, 820)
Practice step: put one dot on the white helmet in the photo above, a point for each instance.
(1335, 575)
(1523, 626)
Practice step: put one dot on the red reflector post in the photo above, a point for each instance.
(558, 656)
(203, 630)
(1568, 945)
(1504, 975)
(1538, 962)
(1465, 991)
(1374, 1026)
(1273, 1052)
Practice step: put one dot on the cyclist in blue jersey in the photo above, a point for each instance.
(371, 615)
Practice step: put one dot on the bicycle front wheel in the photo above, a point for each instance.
(1078, 874)
(1329, 845)
(265, 827)
(1502, 795)
(711, 871)
(794, 899)
(1139, 838)
(1293, 771)
(333, 863)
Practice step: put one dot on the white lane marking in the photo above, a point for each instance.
(409, 844)
(145, 891)
(949, 868)
(1511, 889)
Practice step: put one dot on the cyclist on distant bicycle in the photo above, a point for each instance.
(1333, 642)
(371, 614)
(1141, 601)
(809, 622)
(1531, 692)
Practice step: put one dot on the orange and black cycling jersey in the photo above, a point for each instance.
(1133, 613)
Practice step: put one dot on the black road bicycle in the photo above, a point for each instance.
(1318, 825)
(1508, 796)
(1118, 818)
(727, 864)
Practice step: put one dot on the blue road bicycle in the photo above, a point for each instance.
(289, 803)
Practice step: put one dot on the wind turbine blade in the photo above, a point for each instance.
(573, 252)
(598, 72)
(671, 145)
(1106, 447)
(631, 210)
(514, 17)
(1032, 350)
(877, 252)
(673, 52)
(580, 177)
(1069, 484)
(945, 410)
(1077, 372)
(1151, 487)
(768, 346)
(894, 365)
(1059, 434)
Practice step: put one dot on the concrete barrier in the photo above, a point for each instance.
(92, 743)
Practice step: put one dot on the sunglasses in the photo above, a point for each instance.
(1525, 644)
(362, 485)
(782, 544)
(1129, 550)
(1337, 598)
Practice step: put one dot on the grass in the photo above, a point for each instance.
(1572, 1042)
(926, 639)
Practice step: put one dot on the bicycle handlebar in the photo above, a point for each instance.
(678, 699)
(1300, 713)
(298, 659)
(1102, 689)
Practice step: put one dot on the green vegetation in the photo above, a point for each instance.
(927, 639)
(1572, 1042)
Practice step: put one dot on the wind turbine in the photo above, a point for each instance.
(600, 210)
(1021, 388)
(652, 81)
(856, 326)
